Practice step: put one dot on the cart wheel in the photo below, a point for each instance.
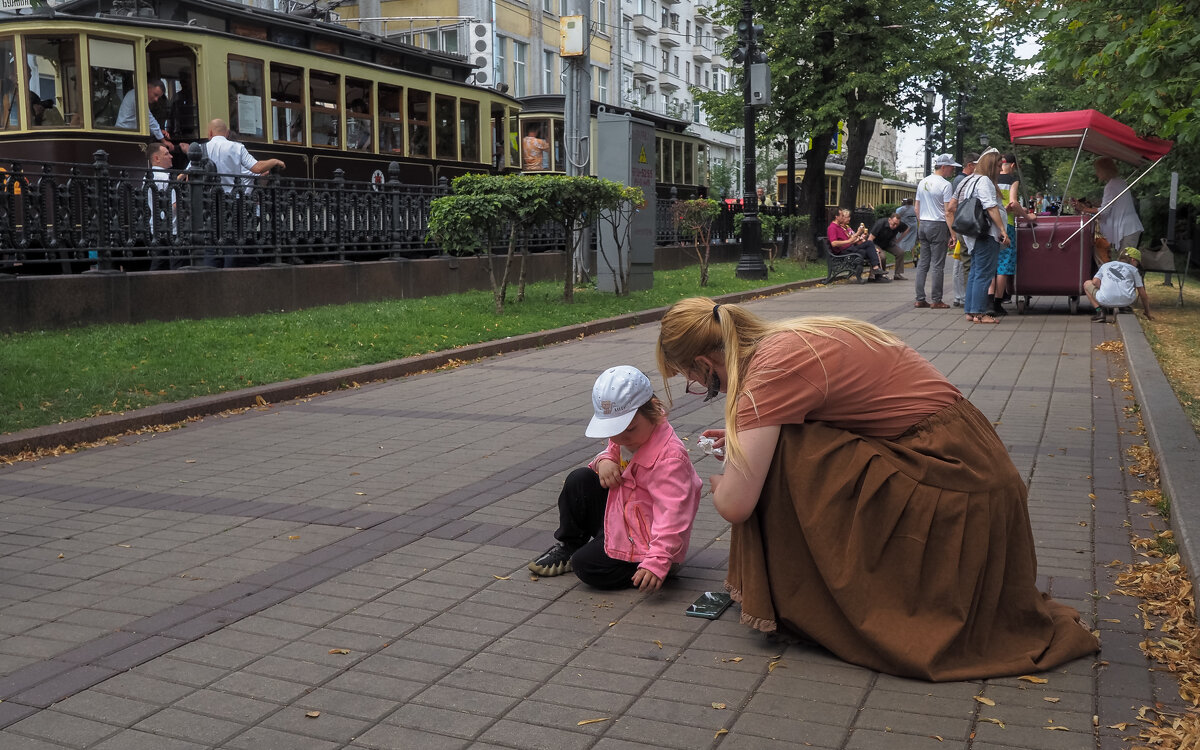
(1073, 304)
(1022, 305)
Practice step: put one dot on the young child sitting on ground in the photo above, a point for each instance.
(626, 519)
(1117, 284)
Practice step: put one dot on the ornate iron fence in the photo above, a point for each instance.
(72, 218)
(66, 218)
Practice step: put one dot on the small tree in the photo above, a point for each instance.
(573, 201)
(531, 197)
(695, 219)
(467, 225)
(619, 221)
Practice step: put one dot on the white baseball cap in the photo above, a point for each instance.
(616, 397)
(945, 160)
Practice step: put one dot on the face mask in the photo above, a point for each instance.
(714, 386)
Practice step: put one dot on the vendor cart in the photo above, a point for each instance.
(1055, 255)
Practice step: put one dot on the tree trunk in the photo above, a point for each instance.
(812, 190)
(856, 156)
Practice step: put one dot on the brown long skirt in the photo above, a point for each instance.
(911, 556)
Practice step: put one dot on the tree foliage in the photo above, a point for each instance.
(695, 219)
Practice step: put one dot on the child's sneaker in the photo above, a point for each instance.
(553, 562)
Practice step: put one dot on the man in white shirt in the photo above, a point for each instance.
(232, 160)
(127, 114)
(933, 234)
(1117, 284)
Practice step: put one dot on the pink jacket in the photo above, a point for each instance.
(648, 519)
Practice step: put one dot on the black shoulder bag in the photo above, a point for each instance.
(971, 219)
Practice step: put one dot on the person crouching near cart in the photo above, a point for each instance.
(626, 518)
(1117, 284)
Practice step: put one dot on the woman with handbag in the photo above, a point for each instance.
(983, 242)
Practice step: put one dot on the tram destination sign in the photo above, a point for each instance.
(11, 5)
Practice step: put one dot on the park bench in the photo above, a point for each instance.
(850, 264)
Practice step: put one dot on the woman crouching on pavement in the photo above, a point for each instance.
(888, 525)
(626, 519)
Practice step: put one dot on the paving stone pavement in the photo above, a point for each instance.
(362, 555)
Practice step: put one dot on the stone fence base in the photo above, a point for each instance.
(51, 302)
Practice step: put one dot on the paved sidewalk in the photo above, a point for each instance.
(362, 555)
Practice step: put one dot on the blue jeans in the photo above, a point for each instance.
(984, 259)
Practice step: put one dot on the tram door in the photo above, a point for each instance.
(177, 112)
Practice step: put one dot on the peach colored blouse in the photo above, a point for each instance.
(839, 380)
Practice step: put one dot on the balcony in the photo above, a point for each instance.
(703, 15)
(668, 83)
(645, 25)
(644, 71)
(702, 53)
(669, 2)
(669, 39)
(719, 31)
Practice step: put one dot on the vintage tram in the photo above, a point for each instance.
(681, 158)
(317, 95)
(873, 188)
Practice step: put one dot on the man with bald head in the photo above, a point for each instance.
(232, 160)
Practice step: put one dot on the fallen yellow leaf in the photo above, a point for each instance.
(1034, 680)
(937, 737)
(360, 493)
(294, 536)
(997, 722)
(502, 578)
(1057, 729)
(985, 701)
(260, 401)
(1110, 619)
(1052, 700)
(719, 706)
(658, 643)
(311, 714)
(190, 461)
(1119, 727)
(592, 721)
(720, 732)
(771, 667)
(61, 556)
(339, 650)
(734, 659)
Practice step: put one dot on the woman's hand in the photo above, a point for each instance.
(609, 472)
(646, 581)
(718, 437)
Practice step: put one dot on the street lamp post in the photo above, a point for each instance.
(750, 265)
(929, 95)
(984, 140)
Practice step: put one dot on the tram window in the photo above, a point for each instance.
(176, 111)
(287, 104)
(535, 146)
(468, 129)
(689, 164)
(447, 141)
(111, 66)
(53, 77)
(659, 156)
(325, 108)
(359, 133)
(514, 138)
(391, 119)
(418, 123)
(246, 98)
(560, 152)
(9, 110)
(677, 162)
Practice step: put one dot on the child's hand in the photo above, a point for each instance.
(646, 581)
(609, 472)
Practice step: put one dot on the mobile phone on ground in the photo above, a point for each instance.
(709, 605)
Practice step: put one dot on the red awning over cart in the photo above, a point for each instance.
(1097, 133)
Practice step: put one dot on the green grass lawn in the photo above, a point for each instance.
(47, 377)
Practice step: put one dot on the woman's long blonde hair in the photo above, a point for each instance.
(698, 327)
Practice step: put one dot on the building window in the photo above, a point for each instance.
(601, 85)
(706, 79)
(520, 56)
(675, 64)
(687, 31)
(696, 111)
(548, 6)
(687, 71)
(548, 72)
(602, 13)
(563, 10)
(666, 61)
(501, 62)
